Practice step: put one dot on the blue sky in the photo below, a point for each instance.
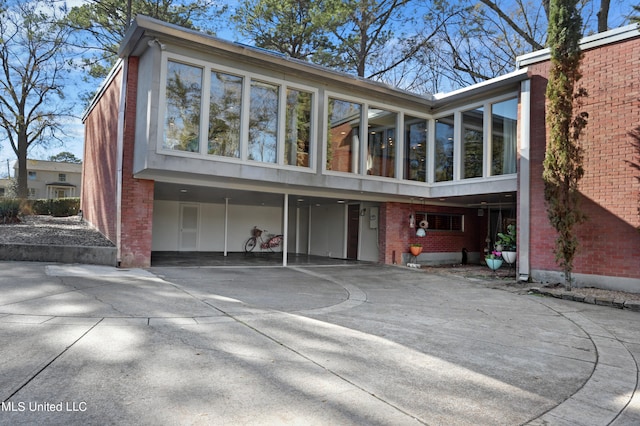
(74, 139)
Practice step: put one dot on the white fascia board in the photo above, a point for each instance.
(484, 86)
(590, 42)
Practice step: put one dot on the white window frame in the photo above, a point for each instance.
(457, 141)
(247, 77)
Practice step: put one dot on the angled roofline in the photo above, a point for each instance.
(145, 30)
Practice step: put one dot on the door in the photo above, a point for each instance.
(353, 227)
(189, 214)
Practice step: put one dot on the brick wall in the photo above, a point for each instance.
(395, 234)
(137, 194)
(99, 174)
(609, 240)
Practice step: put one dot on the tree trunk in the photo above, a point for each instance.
(22, 178)
(603, 16)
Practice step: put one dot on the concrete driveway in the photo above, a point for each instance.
(312, 345)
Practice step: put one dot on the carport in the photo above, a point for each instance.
(207, 225)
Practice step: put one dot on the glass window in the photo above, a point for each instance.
(442, 221)
(182, 113)
(297, 128)
(381, 138)
(343, 136)
(263, 122)
(472, 146)
(62, 177)
(415, 141)
(504, 117)
(225, 100)
(31, 175)
(444, 149)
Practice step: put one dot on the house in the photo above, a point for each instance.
(49, 179)
(193, 140)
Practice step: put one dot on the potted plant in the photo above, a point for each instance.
(508, 242)
(494, 260)
(415, 248)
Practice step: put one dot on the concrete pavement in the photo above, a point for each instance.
(312, 345)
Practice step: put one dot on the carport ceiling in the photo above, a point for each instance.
(204, 194)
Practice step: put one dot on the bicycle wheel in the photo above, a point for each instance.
(250, 245)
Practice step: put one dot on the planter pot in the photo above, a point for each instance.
(494, 264)
(415, 250)
(509, 256)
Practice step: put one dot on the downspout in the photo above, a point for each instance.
(119, 161)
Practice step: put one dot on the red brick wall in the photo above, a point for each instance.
(609, 240)
(99, 174)
(395, 234)
(137, 194)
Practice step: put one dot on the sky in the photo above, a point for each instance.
(73, 141)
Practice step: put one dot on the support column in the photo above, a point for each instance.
(524, 179)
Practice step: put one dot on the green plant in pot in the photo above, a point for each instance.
(415, 248)
(507, 241)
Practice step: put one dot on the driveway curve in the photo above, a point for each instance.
(351, 344)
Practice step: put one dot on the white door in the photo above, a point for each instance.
(189, 227)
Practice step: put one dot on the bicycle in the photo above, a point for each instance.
(272, 242)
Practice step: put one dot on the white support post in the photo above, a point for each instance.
(285, 228)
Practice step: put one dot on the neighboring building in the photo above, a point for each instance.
(193, 140)
(49, 179)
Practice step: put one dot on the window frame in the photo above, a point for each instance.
(425, 215)
(248, 77)
(487, 130)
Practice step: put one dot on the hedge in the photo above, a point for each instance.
(59, 207)
(9, 210)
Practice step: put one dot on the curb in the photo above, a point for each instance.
(632, 305)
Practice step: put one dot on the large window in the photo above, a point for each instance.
(415, 141)
(472, 146)
(444, 149)
(182, 113)
(343, 140)
(298, 128)
(503, 137)
(263, 122)
(225, 100)
(381, 138)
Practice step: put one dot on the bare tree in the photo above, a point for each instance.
(33, 67)
(488, 36)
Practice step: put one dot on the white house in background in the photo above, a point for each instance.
(49, 179)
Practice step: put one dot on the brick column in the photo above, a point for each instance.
(136, 200)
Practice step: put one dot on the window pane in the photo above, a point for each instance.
(182, 114)
(298, 128)
(343, 140)
(503, 137)
(224, 115)
(472, 125)
(444, 149)
(443, 221)
(263, 122)
(415, 140)
(381, 138)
